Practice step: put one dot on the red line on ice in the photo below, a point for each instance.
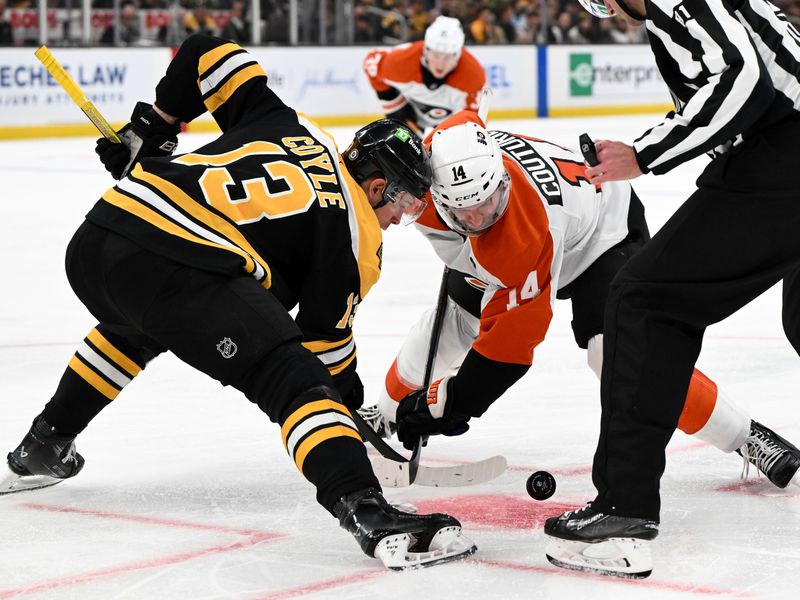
(686, 588)
(135, 566)
(253, 538)
(324, 585)
(147, 520)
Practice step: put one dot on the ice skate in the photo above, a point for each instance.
(373, 417)
(44, 458)
(401, 540)
(771, 454)
(588, 540)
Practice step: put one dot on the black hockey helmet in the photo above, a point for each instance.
(389, 148)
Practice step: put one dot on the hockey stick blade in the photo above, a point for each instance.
(391, 473)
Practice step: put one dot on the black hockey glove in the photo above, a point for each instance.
(355, 399)
(146, 135)
(427, 412)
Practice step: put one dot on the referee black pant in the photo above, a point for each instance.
(734, 238)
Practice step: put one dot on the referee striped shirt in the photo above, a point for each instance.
(732, 67)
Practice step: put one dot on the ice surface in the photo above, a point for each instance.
(187, 492)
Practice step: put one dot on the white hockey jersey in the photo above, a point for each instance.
(556, 225)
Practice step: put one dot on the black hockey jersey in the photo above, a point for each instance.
(269, 198)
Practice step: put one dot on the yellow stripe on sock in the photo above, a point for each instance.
(111, 352)
(93, 379)
(338, 369)
(315, 439)
(307, 409)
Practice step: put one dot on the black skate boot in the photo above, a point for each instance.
(588, 540)
(45, 457)
(771, 454)
(399, 539)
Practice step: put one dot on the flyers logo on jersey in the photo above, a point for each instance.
(541, 173)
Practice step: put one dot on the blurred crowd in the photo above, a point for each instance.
(149, 22)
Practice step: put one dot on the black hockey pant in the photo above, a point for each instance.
(230, 328)
(734, 238)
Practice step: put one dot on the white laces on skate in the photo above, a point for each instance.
(760, 451)
(373, 417)
(70, 456)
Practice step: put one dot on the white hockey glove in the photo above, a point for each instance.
(427, 412)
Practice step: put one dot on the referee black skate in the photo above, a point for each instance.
(733, 70)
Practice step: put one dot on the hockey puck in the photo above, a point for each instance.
(541, 485)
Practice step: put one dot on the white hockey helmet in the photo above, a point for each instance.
(470, 187)
(445, 35)
(598, 8)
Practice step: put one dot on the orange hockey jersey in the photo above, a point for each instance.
(556, 225)
(407, 89)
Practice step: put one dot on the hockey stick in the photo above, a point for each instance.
(392, 468)
(395, 470)
(76, 93)
(436, 331)
(483, 103)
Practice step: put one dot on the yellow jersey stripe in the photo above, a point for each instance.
(111, 352)
(181, 199)
(307, 409)
(226, 158)
(319, 346)
(339, 368)
(93, 379)
(212, 57)
(218, 98)
(315, 439)
(137, 208)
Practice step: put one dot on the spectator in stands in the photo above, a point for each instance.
(367, 26)
(130, 32)
(277, 28)
(6, 35)
(238, 27)
(199, 20)
(482, 29)
(563, 24)
(621, 32)
(507, 22)
(417, 21)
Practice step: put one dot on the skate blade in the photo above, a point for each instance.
(628, 558)
(448, 544)
(10, 482)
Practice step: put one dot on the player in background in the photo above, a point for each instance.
(422, 83)
(519, 225)
(203, 254)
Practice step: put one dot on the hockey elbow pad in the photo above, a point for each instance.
(146, 135)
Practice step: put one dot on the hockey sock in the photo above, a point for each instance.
(96, 374)
(709, 416)
(396, 388)
(321, 437)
